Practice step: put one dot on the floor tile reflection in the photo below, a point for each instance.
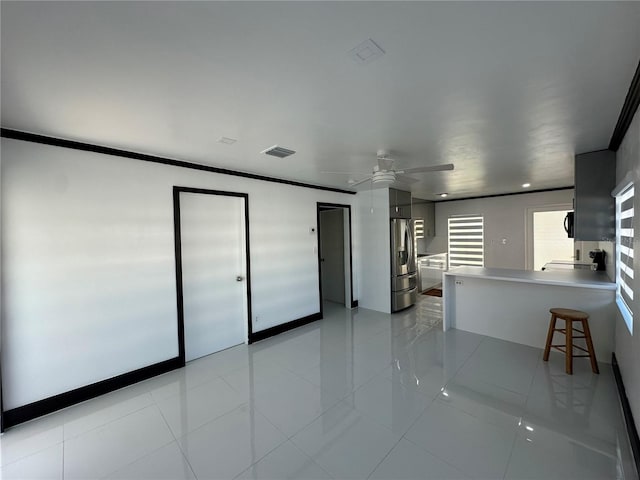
(359, 394)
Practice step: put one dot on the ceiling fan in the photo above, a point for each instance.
(385, 173)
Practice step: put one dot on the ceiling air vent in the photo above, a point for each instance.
(366, 52)
(277, 151)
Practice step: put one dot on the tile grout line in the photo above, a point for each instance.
(175, 439)
(403, 436)
(252, 405)
(526, 402)
(35, 452)
(149, 453)
(63, 450)
(64, 439)
(433, 454)
(513, 446)
(385, 457)
(435, 399)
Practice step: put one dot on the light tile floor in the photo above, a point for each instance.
(359, 394)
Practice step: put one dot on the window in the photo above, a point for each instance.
(624, 253)
(546, 237)
(466, 240)
(418, 228)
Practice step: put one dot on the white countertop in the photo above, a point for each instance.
(566, 278)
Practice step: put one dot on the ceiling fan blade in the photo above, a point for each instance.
(367, 186)
(433, 168)
(359, 182)
(405, 179)
(344, 173)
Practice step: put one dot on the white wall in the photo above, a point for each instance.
(375, 250)
(88, 279)
(627, 346)
(504, 217)
(1, 406)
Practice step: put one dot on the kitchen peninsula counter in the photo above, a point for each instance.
(514, 305)
(566, 278)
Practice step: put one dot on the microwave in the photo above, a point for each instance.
(569, 224)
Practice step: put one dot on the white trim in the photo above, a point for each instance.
(625, 312)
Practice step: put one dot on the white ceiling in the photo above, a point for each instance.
(507, 91)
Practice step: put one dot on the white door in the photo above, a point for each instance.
(214, 290)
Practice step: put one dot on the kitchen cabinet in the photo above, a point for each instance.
(423, 213)
(595, 208)
(399, 204)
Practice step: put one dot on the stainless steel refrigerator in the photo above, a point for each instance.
(403, 265)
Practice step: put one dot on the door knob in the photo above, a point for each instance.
(239, 278)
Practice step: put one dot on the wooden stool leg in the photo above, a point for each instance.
(547, 348)
(592, 352)
(569, 346)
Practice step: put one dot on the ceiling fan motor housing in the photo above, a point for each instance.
(384, 176)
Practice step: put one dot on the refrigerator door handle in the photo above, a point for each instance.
(411, 264)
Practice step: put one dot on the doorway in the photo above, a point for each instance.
(335, 262)
(212, 270)
(547, 239)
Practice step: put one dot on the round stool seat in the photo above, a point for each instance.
(569, 314)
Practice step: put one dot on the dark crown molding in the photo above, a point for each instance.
(504, 194)
(629, 109)
(89, 147)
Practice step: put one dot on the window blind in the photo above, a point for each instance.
(418, 228)
(624, 253)
(466, 240)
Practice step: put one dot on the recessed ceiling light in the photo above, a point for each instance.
(443, 195)
(227, 140)
(366, 52)
(526, 185)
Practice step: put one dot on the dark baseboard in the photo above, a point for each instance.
(632, 431)
(33, 410)
(285, 327)
(354, 303)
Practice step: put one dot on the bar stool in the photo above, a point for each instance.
(570, 316)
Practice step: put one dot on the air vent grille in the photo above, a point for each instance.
(279, 152)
